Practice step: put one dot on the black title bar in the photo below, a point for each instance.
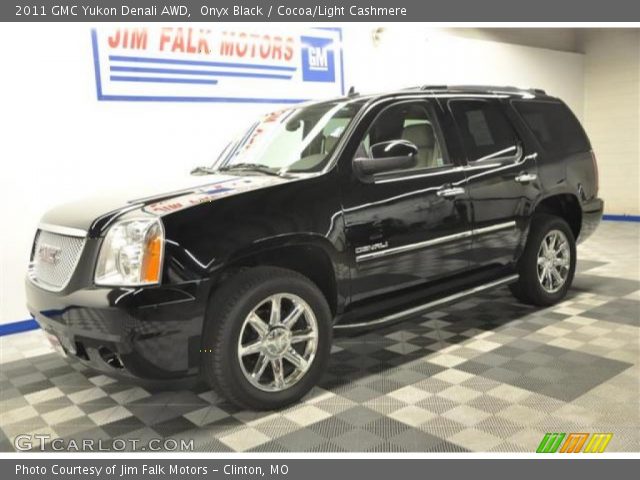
(313, 469)
(319, 11)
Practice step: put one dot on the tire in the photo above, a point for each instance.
(235, 348)
(530, 288)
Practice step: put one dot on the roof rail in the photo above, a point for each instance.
(484, 88)
(434, 87)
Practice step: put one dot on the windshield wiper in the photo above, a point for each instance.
(254, 167)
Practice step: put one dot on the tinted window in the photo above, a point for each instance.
(484, 128)
(555, 127)
(297, 139)
(409, 121)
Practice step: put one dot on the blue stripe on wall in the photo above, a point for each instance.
(117, 78)
(171, 61)
(622, 218)
(18, 327)
(211, 73)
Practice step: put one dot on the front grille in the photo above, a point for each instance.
(54, 259)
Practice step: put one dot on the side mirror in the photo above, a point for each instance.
(386, 157)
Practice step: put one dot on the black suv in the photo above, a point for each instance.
(336, 215)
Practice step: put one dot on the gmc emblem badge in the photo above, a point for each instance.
(48, 254)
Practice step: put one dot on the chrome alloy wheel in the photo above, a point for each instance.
(554, 261)
(278, 342)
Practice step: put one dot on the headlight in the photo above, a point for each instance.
(131, 253)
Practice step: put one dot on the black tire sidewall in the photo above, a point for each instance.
(227, 327)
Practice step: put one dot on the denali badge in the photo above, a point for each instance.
(372, 248)
(48, 254)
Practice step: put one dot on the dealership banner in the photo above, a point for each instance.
(217, 63)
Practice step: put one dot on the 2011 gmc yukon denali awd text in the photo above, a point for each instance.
(329, 216)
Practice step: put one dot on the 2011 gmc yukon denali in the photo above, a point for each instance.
(336, 215)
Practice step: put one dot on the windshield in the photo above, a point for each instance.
(292, 140)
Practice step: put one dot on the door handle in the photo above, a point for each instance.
(450, 191)
(526, 177)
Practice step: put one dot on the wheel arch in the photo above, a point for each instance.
(310, 257)
(564, 205)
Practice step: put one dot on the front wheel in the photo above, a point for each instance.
(267, 338)
(548, 263)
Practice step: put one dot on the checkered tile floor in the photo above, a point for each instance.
(487, 374)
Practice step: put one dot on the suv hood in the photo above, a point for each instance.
(92, 214)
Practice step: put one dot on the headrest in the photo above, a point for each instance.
(420, 135)
(329, 143)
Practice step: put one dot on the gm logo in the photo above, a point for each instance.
(318, 59)
(574, 442)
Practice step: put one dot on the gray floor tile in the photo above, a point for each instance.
(487, 374)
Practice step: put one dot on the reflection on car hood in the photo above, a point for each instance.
(155, 198)
(224, 186)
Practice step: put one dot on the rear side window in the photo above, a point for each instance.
(555, 127)
(485, 130)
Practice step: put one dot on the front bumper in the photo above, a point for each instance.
(147, 332)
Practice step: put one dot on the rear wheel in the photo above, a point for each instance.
(267, 338)
(548, 263)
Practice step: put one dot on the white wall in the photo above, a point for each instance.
(416, 55)
(612, 114)
(57, 143)
(564, 39)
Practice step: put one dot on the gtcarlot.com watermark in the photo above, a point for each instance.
(44, 442)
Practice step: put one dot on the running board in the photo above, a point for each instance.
(405, 314)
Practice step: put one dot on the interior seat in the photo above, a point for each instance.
(329, 143)
(422, 136)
